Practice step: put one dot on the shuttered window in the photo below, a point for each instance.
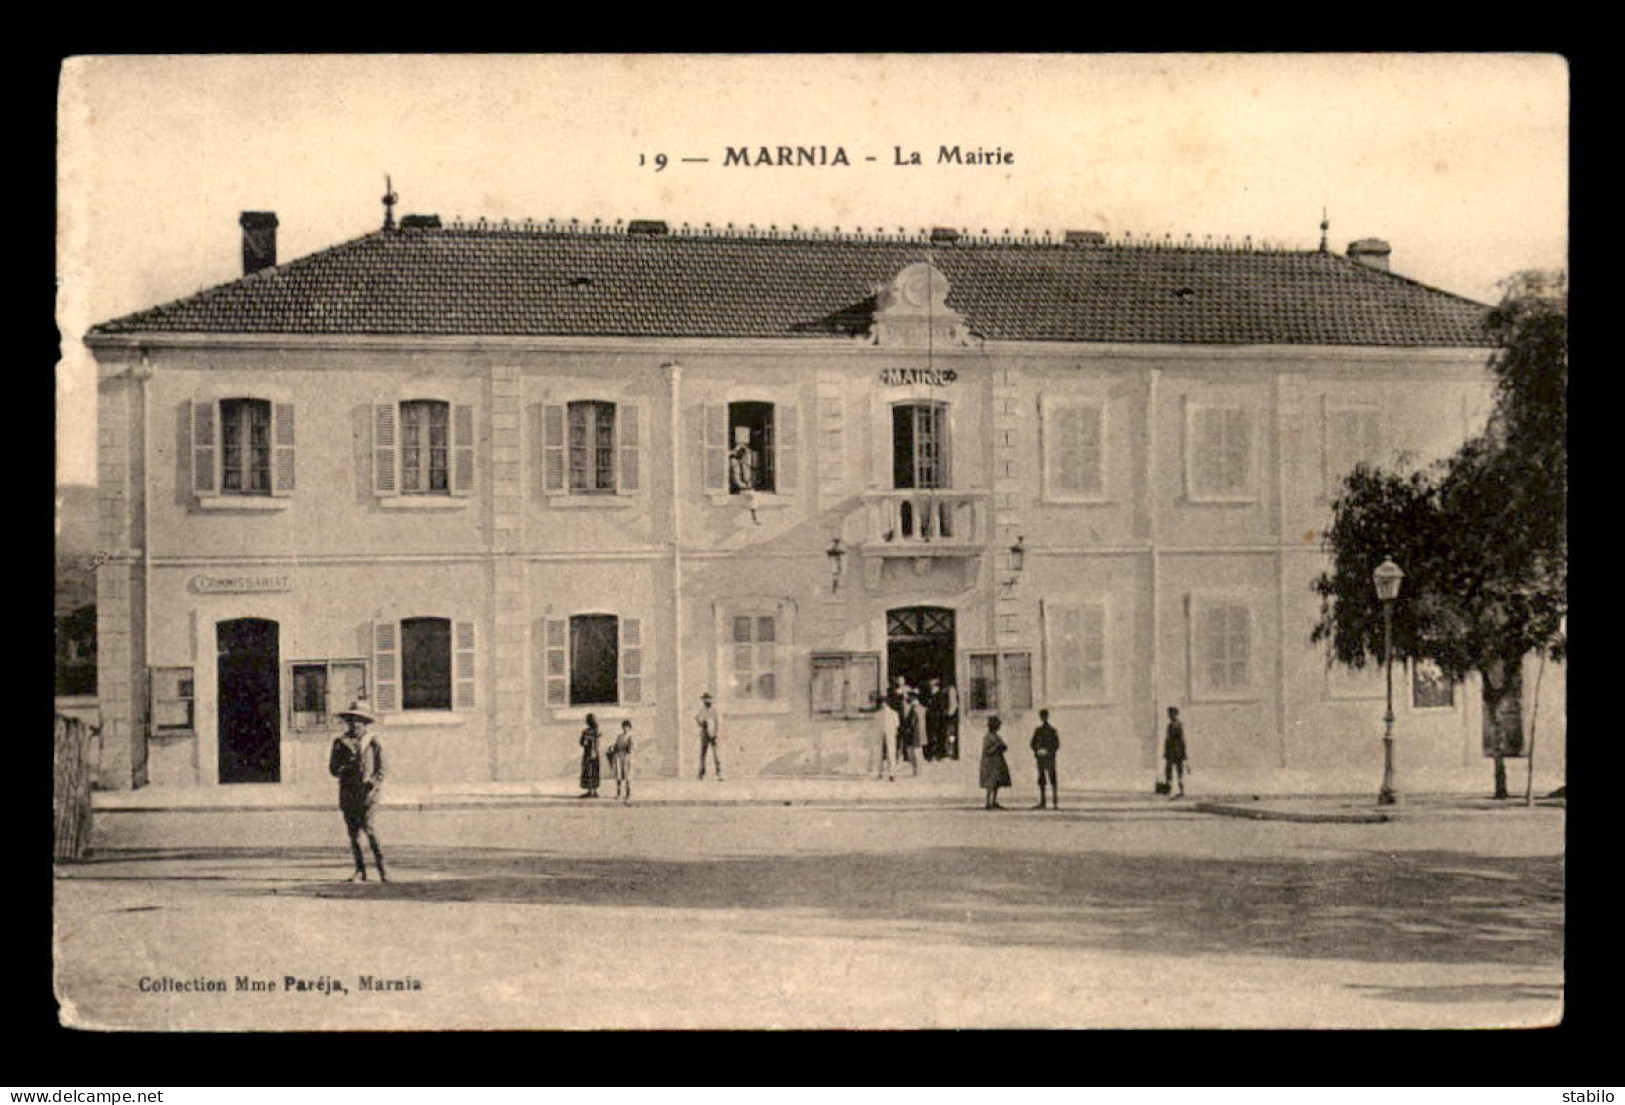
(1222, 639)
(423, 447)
(594, 660)
(755, 657)
(245, 447)
(1075, 646)
(592, 447)
(1220, 453)
(242, 446)
(1074, 448)
(751, 445)
(845, 683)
(1353, 436)
(1000, 682)
(424, 663)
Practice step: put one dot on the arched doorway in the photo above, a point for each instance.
(247, 701)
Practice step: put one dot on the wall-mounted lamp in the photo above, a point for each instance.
(837, 563)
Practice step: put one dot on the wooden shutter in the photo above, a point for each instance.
(556, 644)
(462, 666)
(384, 445)
(282, 473)
(863, 681)
(205, 447)
(786, 454)
(554, 441)
(1073, 449)
(386, 678)
(1062, 649)
(716, 447)
(462, 449)
(632, 672)
(629, 448)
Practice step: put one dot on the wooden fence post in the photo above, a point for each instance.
(70, 799)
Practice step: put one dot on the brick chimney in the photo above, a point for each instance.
(1370, 251)
(259, 240)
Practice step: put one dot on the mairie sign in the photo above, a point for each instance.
(241, 584)
(933, 377)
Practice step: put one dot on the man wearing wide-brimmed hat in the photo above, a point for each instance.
(706, 719)
(358, 763)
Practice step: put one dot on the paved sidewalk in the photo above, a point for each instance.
(826, 792)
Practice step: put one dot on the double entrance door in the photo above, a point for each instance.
(920, 646)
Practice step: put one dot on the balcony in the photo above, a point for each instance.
(926, 523)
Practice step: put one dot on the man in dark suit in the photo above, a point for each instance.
(357, 761)
(1174, 753)
(1046, 743)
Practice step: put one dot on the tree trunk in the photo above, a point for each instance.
(1502, 681)
(1529, 752)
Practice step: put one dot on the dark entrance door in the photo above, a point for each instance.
(920, 645)
(249, 723)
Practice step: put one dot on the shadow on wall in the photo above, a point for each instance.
(1424, 907)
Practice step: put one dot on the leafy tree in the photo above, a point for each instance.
(1482, 536)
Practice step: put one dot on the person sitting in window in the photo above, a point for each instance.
(743, 470)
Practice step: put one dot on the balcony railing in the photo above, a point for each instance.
(916, 523)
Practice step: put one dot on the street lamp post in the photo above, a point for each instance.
(1387, 578)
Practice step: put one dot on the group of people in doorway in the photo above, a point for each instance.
(917, 723)
(912, 723)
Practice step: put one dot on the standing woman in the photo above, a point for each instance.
(590, 769)
(620, 763)
(995, 771)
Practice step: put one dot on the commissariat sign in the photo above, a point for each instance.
(241, 585)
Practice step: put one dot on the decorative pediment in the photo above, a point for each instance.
(912, 312)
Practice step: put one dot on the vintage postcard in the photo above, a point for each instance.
(844, 541)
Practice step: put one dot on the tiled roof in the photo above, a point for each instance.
(487, 280)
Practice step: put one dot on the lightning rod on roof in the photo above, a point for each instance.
(390, 199)
(1325, 225)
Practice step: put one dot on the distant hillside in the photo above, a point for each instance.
(75, 541)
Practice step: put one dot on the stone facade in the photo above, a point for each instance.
(1115, 528)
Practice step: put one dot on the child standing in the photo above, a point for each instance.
(620, 763)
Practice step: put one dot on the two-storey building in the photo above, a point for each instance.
(495, 477)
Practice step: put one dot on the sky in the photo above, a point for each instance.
(1460, 162)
